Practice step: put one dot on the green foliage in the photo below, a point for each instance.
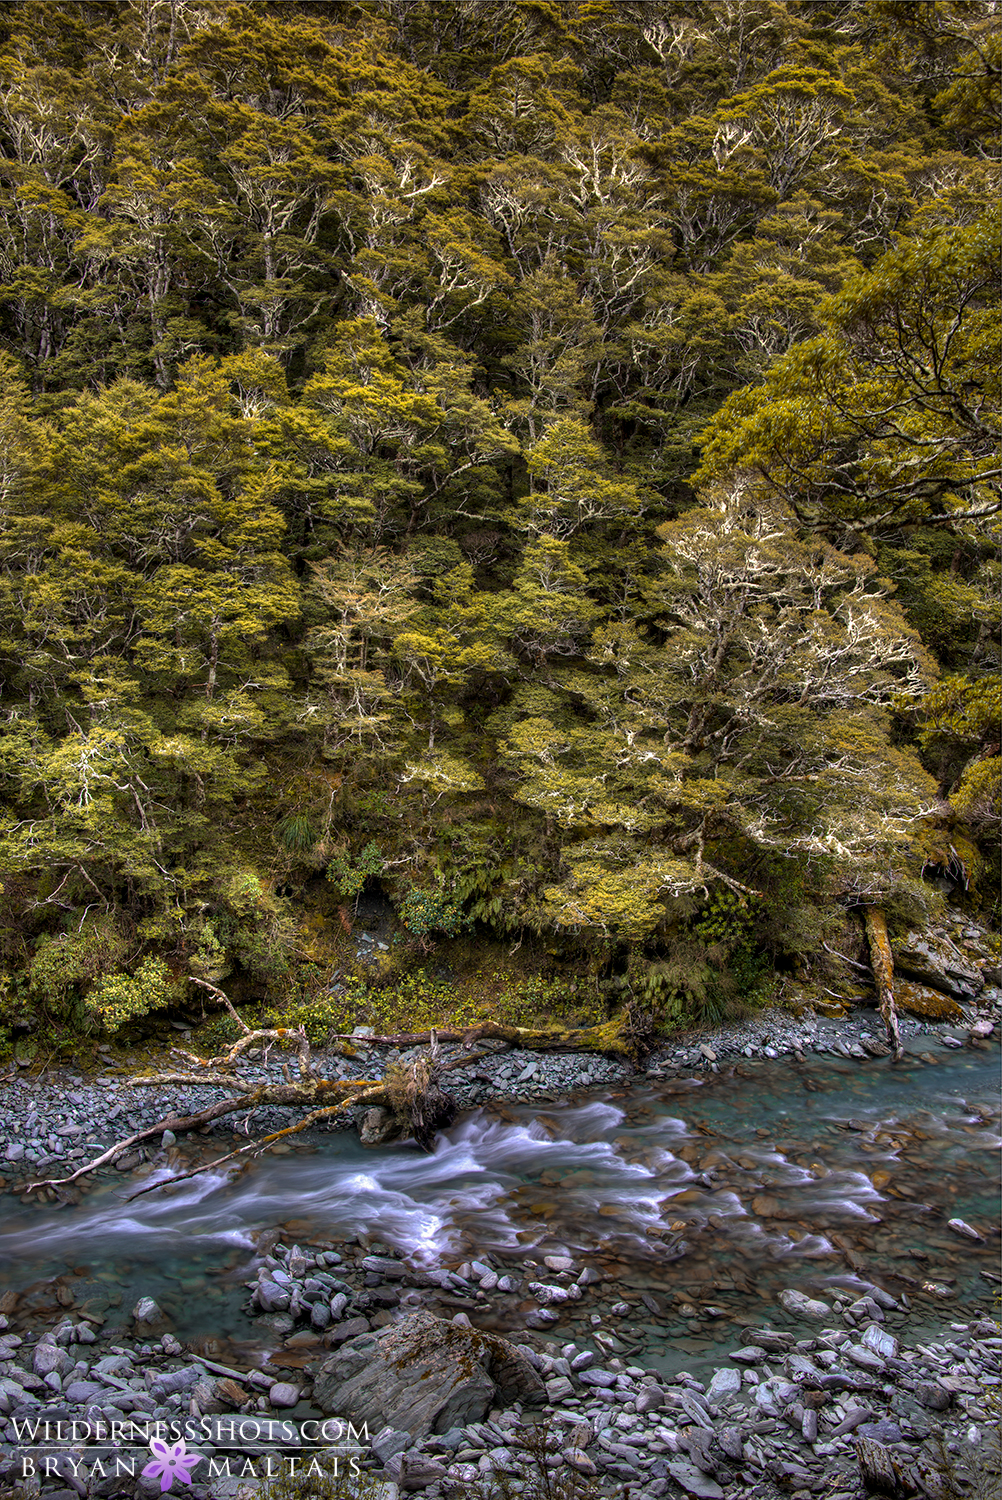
(358, 373)
(423, 912)
(67, 961)
(344, 1484)
(349, 873)
(726, 918)
(118, 998)
(417, 999)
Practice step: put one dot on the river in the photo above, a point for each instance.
(697, 1199)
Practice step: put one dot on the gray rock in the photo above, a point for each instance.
(149, 1317)
(384, 1265)
(558, 1389)
(542, 1317)
(801, 1306)
(934, 961)
(15, 1151)
(424, 1375)
(390, 1441)
(79, 1391)
(283, 1393)
(378, 1125)
(48, 1357)
(320, 1316)
(604, 1379)
(694, 1482)
(414, 1471)
(577, 1458)
(729, 1439)
(724, 1383)
(169, 1382)
(880, 1342)
(959, 1227)
(351, 1328)
(883, 1431)
(932, 1395)
(548, 1295)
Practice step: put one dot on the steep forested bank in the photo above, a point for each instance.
(537, 460)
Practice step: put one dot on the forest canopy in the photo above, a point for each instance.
(535, 458)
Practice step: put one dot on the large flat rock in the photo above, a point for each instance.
(424, 1375)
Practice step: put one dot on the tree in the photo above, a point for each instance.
(892, 414)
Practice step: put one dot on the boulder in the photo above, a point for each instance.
(932, 960)
(424, 1375)
(924, 1001)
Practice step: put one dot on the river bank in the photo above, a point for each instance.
(51, 1124)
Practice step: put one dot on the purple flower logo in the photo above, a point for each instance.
(171, 1463)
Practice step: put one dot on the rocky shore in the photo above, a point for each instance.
(809, 1405)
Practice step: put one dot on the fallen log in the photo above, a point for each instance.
(883, 971)
(414, 1094)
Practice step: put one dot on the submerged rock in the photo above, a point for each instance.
(424, 1375)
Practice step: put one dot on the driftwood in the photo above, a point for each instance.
(414, 1094)
(883, 972)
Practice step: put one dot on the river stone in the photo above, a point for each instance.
(724, 1383)
(149, 1316)
(79, 1391)
(391, 1441)
(932, 1395)
(414, 1471)
(542, 1317)
(880, 1342)
(883, 1431)
(384, 1265)
(730, 1443)
(352, 1328)
(694, 1482)
(576, 1458)
(864, 1358)
(652, 1398)
(49, 1357)
(424, 1375)
(960, 1227)
(283, 1393)
(801, 1306)
(169, 1382)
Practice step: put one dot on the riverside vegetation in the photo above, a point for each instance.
(534, 461)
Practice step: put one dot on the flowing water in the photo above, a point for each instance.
(697, 1198)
